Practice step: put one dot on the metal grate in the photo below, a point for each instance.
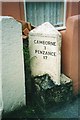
(39, 12)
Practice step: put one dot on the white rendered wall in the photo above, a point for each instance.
(13, 82)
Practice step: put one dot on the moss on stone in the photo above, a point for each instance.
(26, 56)
(47, 94)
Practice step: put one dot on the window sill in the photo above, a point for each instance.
(61, 28)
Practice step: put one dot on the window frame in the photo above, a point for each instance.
(65, 8)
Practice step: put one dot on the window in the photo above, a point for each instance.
(39, 12)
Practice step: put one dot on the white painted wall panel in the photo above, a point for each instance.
(13, 82)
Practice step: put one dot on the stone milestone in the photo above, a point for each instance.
(45, 51)
(49, 86)
(11, 64)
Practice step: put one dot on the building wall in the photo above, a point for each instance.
(14, 9)
(72, 9)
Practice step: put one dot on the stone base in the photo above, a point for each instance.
(45, 93)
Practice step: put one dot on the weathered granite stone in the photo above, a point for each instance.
(12, 65)
(46, 93)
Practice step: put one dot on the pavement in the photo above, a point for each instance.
(70, 110)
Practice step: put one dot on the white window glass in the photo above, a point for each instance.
(39, 12)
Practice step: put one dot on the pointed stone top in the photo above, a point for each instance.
(8, 17)
(8, 20)
(4, 17)
(45, 29)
